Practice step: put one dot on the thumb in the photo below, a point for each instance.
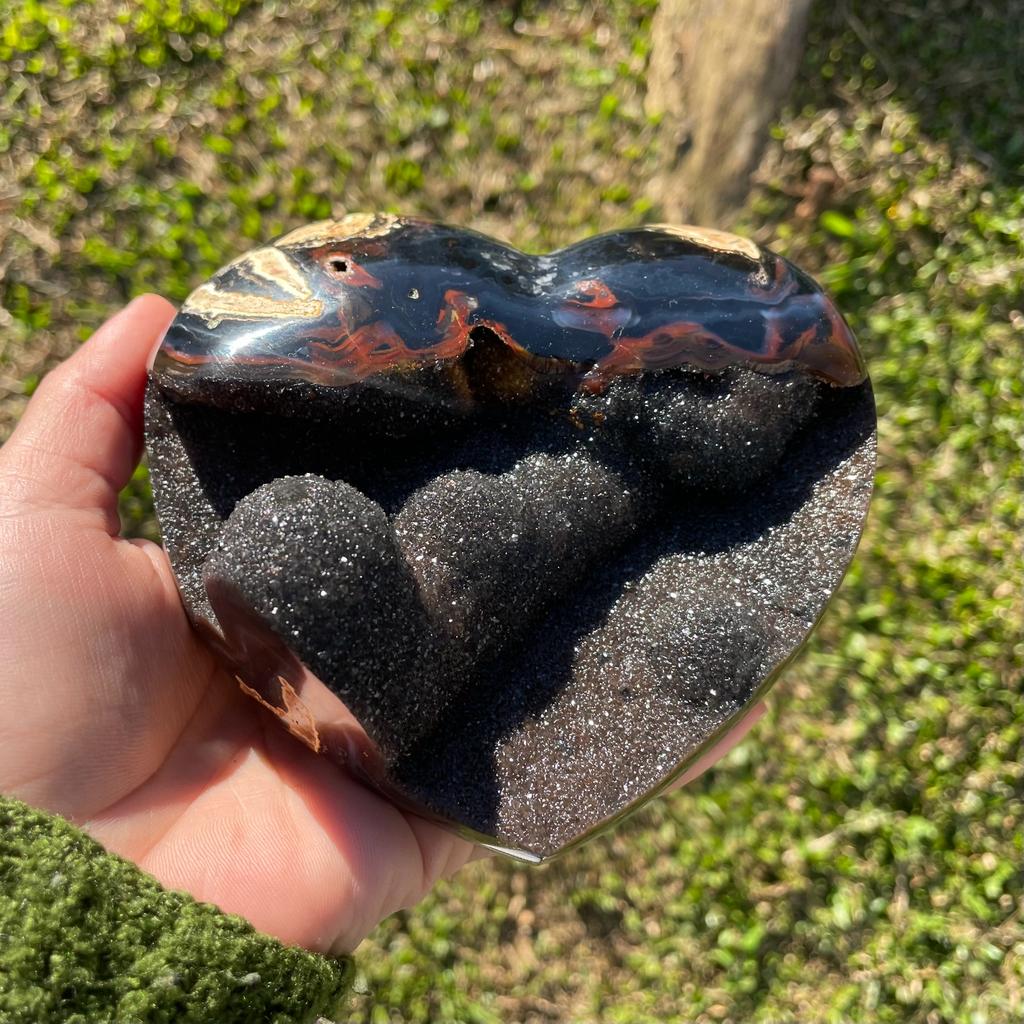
(80, 436)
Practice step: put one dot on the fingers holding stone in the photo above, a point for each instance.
(80, 437)
(733, 737)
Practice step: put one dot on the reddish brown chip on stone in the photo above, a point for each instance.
(513, 537)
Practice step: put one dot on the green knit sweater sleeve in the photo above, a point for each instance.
(86, 938)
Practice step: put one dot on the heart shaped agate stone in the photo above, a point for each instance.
(514, 538)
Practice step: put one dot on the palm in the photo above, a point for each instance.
(159, 754)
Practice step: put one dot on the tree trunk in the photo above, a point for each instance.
(719, 73)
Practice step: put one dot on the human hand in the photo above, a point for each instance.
(117, 716)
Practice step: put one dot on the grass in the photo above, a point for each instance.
(862, 859)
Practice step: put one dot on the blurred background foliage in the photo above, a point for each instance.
(862, 857)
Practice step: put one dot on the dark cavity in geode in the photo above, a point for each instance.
(545, 525)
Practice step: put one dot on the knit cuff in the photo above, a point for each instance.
(86, 937)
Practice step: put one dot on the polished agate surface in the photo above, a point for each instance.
(513, 538)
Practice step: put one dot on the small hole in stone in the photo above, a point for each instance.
(338, 265)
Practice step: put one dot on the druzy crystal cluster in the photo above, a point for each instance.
(511, 537)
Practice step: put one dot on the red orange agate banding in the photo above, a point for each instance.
(348, 300)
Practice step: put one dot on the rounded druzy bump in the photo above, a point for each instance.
(512, 537)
